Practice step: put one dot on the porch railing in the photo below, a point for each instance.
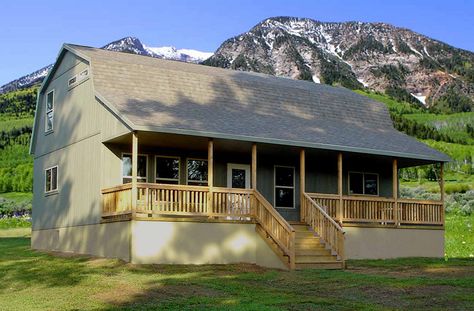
(323, 224)
(276, 227)
(163, 200)
(382, 211)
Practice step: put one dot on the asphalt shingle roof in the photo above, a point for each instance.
(175, 96)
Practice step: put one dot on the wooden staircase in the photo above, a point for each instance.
(311, 252)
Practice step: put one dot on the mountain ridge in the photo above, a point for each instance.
(378, 56)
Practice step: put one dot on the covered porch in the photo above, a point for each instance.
(322, 199)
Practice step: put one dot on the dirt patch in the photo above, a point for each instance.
(432, 296)
(125, 294)
(439, 272)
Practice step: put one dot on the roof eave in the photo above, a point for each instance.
(292, 143)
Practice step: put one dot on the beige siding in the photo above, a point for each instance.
(81, 123)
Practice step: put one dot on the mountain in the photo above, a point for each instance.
(26, 81)
(128, 45)
(377, 56)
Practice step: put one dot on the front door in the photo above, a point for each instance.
(238, 176)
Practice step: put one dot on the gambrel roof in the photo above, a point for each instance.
(151, 94)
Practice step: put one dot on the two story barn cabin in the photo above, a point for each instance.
(157, 161)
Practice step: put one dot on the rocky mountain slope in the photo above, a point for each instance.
(127, 44)
(404, 64)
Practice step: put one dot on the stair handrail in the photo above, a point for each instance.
(275, 226)
(324, 225)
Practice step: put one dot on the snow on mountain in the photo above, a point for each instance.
(26, 81)
(185, 55)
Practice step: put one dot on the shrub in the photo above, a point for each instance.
(14, 209)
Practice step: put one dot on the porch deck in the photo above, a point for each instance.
(323, 214)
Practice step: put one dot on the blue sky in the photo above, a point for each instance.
(33, 31)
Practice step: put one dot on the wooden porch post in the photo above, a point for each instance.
(254, 166)
(441, 190)
(134, 171)
(210, 175)
(395, 191)
(302, 183)
(441, 182)
(339, 187)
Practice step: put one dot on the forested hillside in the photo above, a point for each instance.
(16, 121)
(449, 133)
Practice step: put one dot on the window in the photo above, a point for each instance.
(51, 179)
(72, 81)
(49, 112)
(78, 78)
(167, 170)
(127, 168)
(196, 172)
(284, 187)
(363, 183)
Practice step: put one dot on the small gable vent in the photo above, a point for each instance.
(83, 75)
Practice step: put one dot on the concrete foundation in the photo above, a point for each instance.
(382, 243)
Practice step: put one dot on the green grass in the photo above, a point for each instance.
(31, 280)
(17, 197)
(459, 236)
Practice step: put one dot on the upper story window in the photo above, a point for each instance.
(51, 179)
(73, 81)
(49, 117)
(167, 170)
(197, 172)
(284, 186)
(127, 168)
(363, 183)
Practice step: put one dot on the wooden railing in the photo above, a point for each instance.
(420, 212)
(276, 227)
(323, 224)
(117, 200)
(243, 205)
(184, 200)
(381, 211)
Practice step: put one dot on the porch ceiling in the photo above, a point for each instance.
(199, 143)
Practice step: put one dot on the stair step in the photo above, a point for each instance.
(312, 252)
(308, 242)
(320, 265)
(315, 259)
(300, 227)
(308, 236)
(300, 248)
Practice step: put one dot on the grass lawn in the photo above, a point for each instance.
(459, 236)
(31, 280)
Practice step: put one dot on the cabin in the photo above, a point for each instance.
(164, 162)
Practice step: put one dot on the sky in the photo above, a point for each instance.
(32, 32)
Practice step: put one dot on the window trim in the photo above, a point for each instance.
(146, 171)
(363, 184)
(285, 187)
(193, 182)
(57, 179)
(46, 111)
(168, 179)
